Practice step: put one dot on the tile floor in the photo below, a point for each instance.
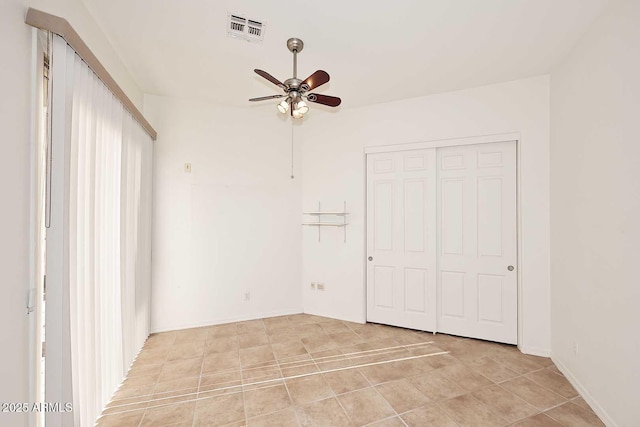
(305, 370)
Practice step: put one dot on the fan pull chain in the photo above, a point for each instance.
(292, 177)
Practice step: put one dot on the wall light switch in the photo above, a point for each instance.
(187, 167)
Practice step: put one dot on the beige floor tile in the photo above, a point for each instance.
(345, 339)
(430, 415)
(265, 400)
(124, 405)
(216, 362)
(537, 395)
(436, 386)
(181, 368)
(219, 410)
(303, 319)
(382, 373)
(153, 355)
(284, 418)
(504, 402)
(335, 327)
(467, 351)
(191, 335)
(465, 377)
(285, 349)
(298, 365)
(540, 420)
(389, 422)
(581, 402)
(222, 382)
(276, 322)
(402, 395)
(280, 330)
(554, 381)
(338, 362)
(255, 355)
(406, 337)
(261, 374)
(127, 419)
(518, 362)
(324, 413)
(310, 330)
(221, 344)
(142, 369)
(308, 389)
(346, 381)
(320, 342)
(365, 406)
(161, 339)
(187, 350)
(468, 411)
(178, 386)
(140, 380)
(437, 360)
(173, 397)
(492, 369)
(250, 326)
(283, 336)
(253, 339)
(571, 415)
(286, 370)
(217, 331)
(169, 414)
(133, 393)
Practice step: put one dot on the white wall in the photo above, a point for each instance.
(595, 213)
(230, 226)
(15, 173)
(333, 171)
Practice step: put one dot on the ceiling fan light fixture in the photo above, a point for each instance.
(302, 107)
(297, 114)
(283, 106)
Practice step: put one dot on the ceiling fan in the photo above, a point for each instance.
(296, 90)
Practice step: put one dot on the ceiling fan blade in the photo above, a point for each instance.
(264, 98)
(331, 101)
(316, 79)
(269, 77)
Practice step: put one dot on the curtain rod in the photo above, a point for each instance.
(61, 27)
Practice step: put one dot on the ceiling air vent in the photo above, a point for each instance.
(245, 28)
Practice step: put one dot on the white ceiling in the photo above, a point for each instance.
(375, 51)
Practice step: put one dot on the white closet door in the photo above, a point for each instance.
(477, 282)
(401, 239)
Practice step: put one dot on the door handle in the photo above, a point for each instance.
(510, 268)
(370, 258)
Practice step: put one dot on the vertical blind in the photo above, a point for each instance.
(108, 168)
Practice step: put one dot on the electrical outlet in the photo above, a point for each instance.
(247, 296)
(187, 167)
(320, 286)
(313, 286)
(575, 348)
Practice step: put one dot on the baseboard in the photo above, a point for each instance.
(535, 351)
(222, 320)
(599, 410)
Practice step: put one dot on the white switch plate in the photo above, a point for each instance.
(187, 167)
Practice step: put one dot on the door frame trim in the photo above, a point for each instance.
(452, 142)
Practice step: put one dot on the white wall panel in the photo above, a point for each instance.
(595, 207)
(232, 225)
(333, 164)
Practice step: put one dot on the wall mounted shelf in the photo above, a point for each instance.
(328, 223)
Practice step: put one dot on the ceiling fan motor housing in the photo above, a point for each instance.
(295, 45)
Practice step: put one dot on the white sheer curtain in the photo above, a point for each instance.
(108, 157)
